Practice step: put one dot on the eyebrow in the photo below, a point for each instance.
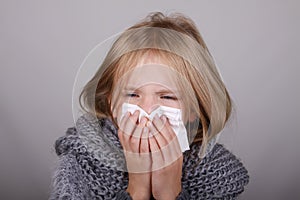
(162, 91)
(131, 88)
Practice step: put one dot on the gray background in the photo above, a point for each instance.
(256, 46)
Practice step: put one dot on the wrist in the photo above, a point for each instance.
(168, 195)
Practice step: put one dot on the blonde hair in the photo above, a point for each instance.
(161, 36)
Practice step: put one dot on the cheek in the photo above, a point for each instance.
(171, 103)
(131, 101)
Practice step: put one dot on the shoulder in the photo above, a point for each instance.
(91, 162)
(219, 174)
(68, 142)
(88, 132)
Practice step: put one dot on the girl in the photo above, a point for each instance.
(153, 112)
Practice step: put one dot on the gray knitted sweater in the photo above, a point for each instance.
(80, 174)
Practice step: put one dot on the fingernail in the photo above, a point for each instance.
(148, 123)
(164, 119)
(143, 121)
(136, 112)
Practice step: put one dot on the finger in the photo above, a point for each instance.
(139, 128)
(156, 155)
(170, 150)
(135, 139)
(173, 140)
(157, 136)
(171, 134)
(140, 162)
(154, 147)
(120, 130)
(126, 128)
(163, 127)
(144, 147)
(129, 124)
(124, 121)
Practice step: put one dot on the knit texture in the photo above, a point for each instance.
(81, 174)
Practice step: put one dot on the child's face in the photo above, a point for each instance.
(150, 96)
(148, 86)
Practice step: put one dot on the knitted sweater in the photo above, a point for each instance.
(81, 174)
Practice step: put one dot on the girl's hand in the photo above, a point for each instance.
(166, 160)
(134, 139)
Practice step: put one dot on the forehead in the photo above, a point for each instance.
(151, 74)
(145, 56)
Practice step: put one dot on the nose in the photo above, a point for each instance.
(148, 104)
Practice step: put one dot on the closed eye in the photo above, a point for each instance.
(168, 98)
(132, 95)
